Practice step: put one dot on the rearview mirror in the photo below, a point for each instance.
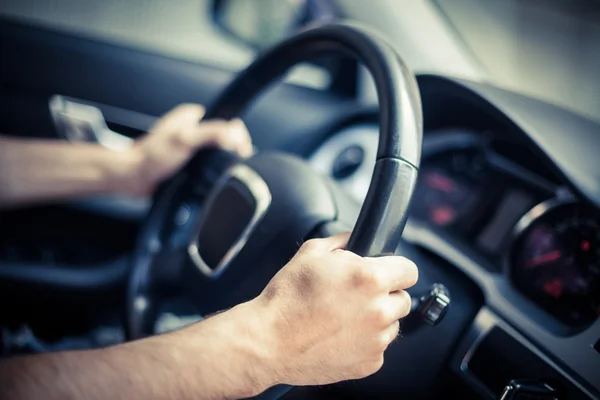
(262, 23)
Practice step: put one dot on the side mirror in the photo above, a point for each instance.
(262, 23)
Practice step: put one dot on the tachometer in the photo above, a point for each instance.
(556, 260)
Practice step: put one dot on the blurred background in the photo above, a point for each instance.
(546, 48)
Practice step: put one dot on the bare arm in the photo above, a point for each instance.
(327, 316)
(220, 358)
(33, 170)
(40, 170)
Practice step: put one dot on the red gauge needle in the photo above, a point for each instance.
(544, 258)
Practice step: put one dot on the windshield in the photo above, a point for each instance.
(546, 48)
(549, 49)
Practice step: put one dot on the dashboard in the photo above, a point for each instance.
(485, 203)
(489, 205)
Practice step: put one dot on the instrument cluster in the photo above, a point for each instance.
(528, 227)
(495, 198)
(555, 260)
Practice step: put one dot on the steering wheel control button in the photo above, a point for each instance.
(235, 206)
(347, 162)
(434, 305)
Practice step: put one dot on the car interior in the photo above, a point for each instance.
(495, 195)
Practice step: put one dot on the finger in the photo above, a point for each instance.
(232, 136)
(391, 332)
(325, 245)
(245, 148)
(188, 112)
(337, 242)
(214, 132)
(399, 304)
(396, 273)
(193, 135)
(184, 115)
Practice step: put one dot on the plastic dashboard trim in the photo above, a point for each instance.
(483, 324)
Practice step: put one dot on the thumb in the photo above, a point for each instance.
(227, 135)
(338, 242)
(326, 245)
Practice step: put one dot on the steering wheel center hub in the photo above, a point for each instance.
(252, 222)
(237, 204)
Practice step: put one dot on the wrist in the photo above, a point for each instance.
(238, 352)
(250, 328)
(268, 368)
(124, 172)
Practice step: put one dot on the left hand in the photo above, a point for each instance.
(176, 137)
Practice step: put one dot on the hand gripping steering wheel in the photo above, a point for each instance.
(222, 227)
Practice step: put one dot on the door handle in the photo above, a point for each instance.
(79, 122)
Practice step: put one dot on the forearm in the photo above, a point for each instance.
(219, 358)
(33, 170)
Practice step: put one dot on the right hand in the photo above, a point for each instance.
(332, 313)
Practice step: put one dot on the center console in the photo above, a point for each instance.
(502, 364)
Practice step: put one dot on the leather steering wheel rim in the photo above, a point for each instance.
(381, 220)
(384, 211)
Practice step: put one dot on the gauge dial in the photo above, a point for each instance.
(556, 261)
(442, 198)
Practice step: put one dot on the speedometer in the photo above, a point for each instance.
(555, 260)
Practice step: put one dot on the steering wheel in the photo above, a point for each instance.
(222, 227)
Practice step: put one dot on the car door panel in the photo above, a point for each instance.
(37, 63)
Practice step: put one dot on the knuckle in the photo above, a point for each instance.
(412, 272)
(240, 127)
(382, 316)
(383, 341)
(363, 276)
(379, 279)
(181, 137)
(309, 246)
(406, 302)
